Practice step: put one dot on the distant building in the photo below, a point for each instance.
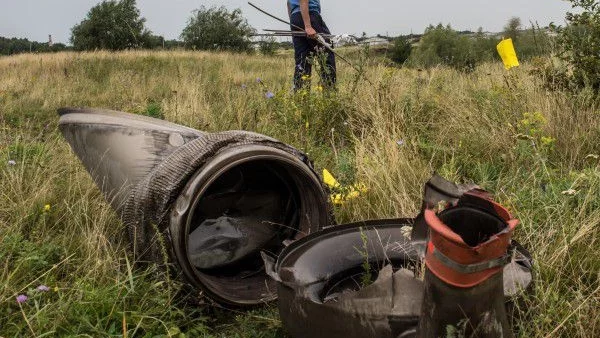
(491, 34)
(375, 42)
(549, 32)
(344, 40)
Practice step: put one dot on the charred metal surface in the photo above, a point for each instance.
(226, 204)
(472, 312)
(470, 243)
(213, 201)
(437, 190)
(282, 201)
(320, 282)
(321, 290)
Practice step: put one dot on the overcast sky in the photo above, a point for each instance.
(35, 19)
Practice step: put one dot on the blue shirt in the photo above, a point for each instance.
(313, 6)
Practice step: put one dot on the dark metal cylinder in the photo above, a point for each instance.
(204, 203)
(449, 311)
(466, 254)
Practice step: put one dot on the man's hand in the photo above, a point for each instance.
(311, 32)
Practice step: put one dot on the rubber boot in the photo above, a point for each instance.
(468, 248)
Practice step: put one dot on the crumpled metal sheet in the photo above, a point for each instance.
(436, 190)
(319, 281)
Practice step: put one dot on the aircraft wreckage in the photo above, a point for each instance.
(246, 220)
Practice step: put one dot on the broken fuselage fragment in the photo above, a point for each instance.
(210, 202)
(322, 290)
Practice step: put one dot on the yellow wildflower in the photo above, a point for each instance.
(548, 141)
(305, 77)
(342, 194)
(46, 207)
(319, 88)
(337, 199)
(329, 180)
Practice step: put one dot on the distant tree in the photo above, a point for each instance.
(113, 25)
(533, 42)
(513, 28)
(443, 45)
(484, 47)
(401, 49)
(154, 41)
(579, 44)
(286, 45)
(268, 46)
(216, 28)
(174, 44)
(16, 46)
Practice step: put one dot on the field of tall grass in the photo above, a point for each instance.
(62, 246)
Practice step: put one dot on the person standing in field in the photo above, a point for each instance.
(307, 14)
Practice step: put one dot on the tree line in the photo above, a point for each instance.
(565, 57)
(118, 25)
(463, 50)
(17, 46)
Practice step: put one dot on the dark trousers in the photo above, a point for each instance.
(305, 48)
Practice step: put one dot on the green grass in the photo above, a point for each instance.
(390, 137)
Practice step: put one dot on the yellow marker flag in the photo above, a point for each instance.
(507, 52)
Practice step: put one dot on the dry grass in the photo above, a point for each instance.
(390, 137)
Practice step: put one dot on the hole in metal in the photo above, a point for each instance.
(474, 226)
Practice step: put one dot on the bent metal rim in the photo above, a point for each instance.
(312, 206)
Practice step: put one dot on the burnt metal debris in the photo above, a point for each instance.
(466, 254)
(323, 291)
(213, 200)
(241, 216)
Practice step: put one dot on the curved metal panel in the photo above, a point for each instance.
(119, 149)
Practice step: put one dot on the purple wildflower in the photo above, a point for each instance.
(269, 95)
(400, 142)
(244, 86)
(258, 80)
(21, 299)
(43, 288)
(12, 162)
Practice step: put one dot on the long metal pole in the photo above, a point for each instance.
(285, 35)
(274, 17)
(282, 31)
(288, 32)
